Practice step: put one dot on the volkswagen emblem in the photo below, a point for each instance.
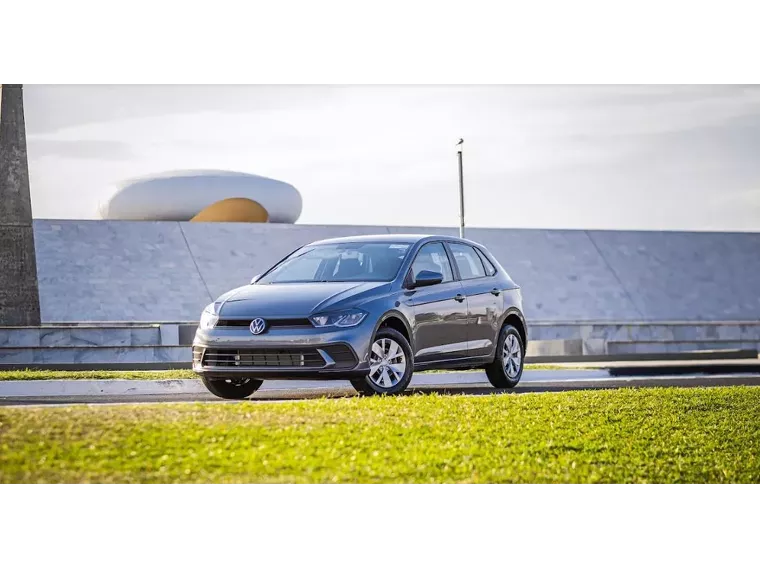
(258, 325)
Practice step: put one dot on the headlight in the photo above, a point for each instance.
(209, 317)
(349, 318)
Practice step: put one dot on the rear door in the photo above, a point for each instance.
(484, 301)
(440, 311)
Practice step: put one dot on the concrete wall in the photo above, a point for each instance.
(167, 271)
(116, 271)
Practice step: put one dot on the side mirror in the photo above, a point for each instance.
(255, 279)
(427, 278)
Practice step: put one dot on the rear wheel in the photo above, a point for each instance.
(234, 389)
(390, 365)
(507, 367)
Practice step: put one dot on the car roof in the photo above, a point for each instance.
(385, 238)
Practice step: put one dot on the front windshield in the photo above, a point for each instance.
(340, 262)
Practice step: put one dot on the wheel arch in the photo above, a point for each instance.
(396, 320)
(514, 317)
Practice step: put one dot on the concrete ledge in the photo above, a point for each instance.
(115, 387)
(668, 346)
(27, 356)
(687, 368)
(555, 348)
(153, 366)
(684, 356)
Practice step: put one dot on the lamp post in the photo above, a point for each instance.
(460, 145)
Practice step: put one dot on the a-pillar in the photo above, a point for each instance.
(19, 294)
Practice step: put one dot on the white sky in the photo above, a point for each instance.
(557, 157)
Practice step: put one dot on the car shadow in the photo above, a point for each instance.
(477, 390)
(448, 390)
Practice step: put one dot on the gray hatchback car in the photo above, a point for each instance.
(370, 309)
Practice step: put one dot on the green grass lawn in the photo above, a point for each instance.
(628, 435)
(27, 375)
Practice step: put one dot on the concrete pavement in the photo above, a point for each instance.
(128, 391)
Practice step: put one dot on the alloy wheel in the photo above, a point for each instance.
(511, 356)
(387, 363)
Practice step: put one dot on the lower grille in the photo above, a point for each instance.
(262, 358)
(342, 354)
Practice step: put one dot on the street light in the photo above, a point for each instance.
(460, 145)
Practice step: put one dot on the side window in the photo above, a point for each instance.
(490, 270)
(432, 256)
(468, 261)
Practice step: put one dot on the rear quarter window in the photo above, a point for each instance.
(490, 268)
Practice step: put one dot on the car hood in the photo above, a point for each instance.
(297, 299)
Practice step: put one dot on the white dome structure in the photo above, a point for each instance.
(211, 195)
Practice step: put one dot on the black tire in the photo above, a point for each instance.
(366, 386)
(233, 389)
(496, 373)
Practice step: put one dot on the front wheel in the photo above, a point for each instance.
(391, 365)
(507, 367)
(234, 389)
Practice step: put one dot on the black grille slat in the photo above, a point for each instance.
(279, 322)
(233, 323)
(292, 322)
(262, 358)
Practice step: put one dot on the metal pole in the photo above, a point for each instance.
(461, 190)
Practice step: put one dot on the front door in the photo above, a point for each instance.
(484, 300)
(440, 311)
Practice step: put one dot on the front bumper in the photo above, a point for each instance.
(283, 353)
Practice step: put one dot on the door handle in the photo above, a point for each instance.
(459, 298)
(495, 291)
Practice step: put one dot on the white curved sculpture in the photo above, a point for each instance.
(179, 196)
